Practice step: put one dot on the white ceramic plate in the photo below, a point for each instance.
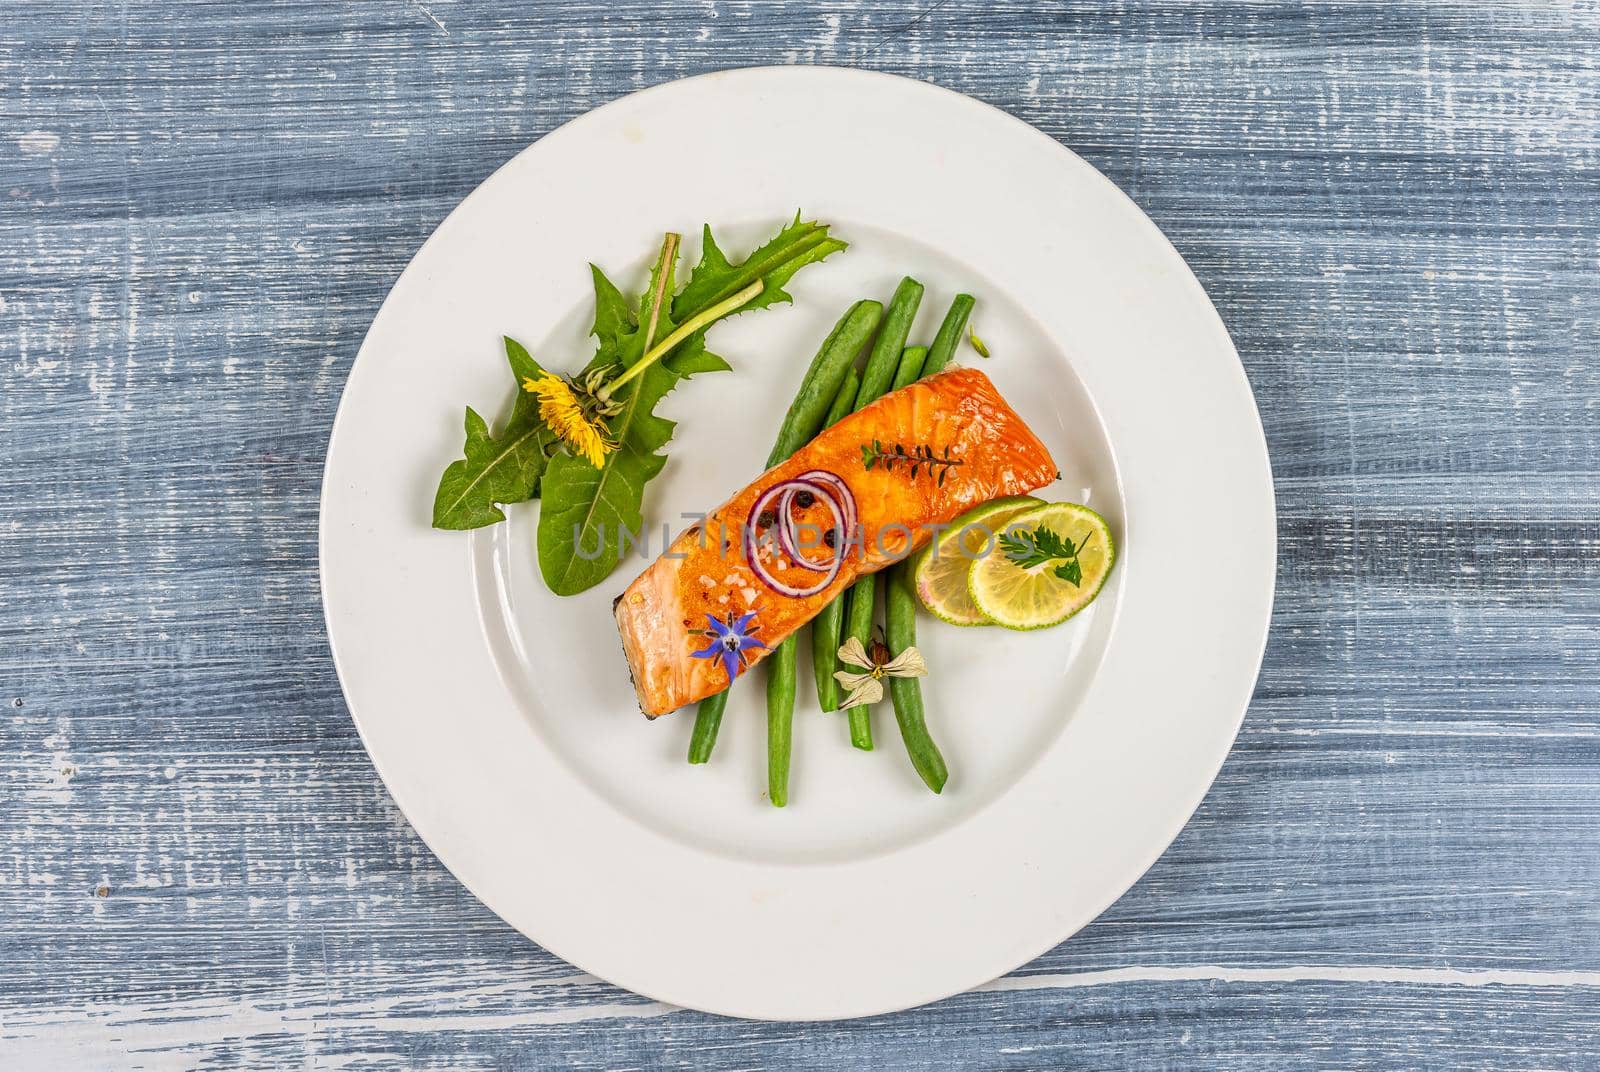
(501, 717)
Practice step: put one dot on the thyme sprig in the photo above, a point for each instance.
(919, 458)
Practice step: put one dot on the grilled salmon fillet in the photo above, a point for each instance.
(769, 559)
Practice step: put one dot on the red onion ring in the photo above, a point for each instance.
(835, 495)
(788, 534)
(846, 498)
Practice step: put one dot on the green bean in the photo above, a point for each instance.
(826, 631)
(900, 632)
(910, 368)
(781, 682)
(822, 379)
(858, 624)
(819, 388)
(882, 363)
(944, 343)
(844, 401)
(885, 356)
(707, 721)
(825, 628)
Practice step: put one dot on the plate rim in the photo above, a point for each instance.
(1266, 595)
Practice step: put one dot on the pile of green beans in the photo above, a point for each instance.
(877, 380)
(829, 370)
(830, 390)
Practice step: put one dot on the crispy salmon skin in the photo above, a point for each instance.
(702, 613)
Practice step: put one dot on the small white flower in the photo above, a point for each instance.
(852, 651)
(864, 689)
(867, 688)
(908, 663)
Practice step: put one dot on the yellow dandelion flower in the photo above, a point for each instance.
(560, 409)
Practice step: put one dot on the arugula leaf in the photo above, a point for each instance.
(586, 510)
(693, 357)
(612, 317)
(1044, 545)
(506, 468)
(775, 263)
(503, 468)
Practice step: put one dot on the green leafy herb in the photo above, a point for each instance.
(1042, 545)
(715, 278)
(502, 468)
(920, 457)
(589, 512)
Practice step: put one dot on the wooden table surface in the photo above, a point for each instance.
(1396, 209)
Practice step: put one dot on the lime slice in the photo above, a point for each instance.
(1036, 596)
(941, 568)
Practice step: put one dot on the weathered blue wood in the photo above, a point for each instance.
(1397, 210)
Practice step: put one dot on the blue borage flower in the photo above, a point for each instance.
(729, 641)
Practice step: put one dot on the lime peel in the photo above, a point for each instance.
(940, 569)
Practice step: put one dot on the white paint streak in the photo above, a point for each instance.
(1303, 974)
(39, 142)
(175, 1036)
